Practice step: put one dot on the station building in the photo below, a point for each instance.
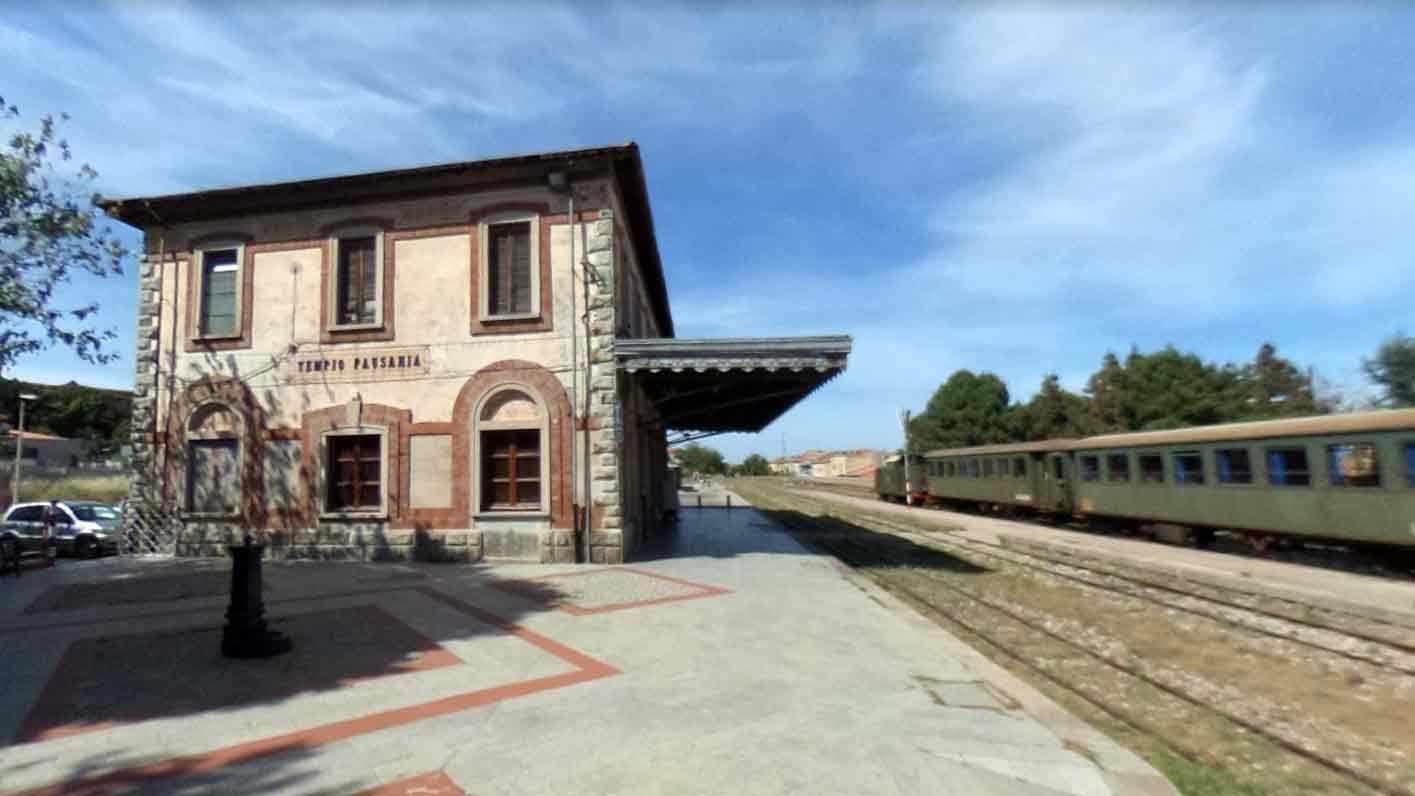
(466, 361)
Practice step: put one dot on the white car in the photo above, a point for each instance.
(82, 528)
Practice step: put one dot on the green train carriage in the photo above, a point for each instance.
(1348, 478)
(890, 480)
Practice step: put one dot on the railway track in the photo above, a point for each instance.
(1392, 656)
(1389, 629)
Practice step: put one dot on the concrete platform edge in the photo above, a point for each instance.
(1123, 770)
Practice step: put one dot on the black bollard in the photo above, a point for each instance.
(245, 634)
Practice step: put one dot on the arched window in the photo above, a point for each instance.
(511, 463)
(213, 461)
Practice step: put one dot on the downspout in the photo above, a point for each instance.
(589, 376)
(574, 355)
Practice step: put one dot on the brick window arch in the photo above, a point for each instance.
(214, 443)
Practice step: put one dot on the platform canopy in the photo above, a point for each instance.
(713, 386)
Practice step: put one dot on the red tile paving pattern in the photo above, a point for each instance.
(122, 780)
(434, 783)
(613, 589)
(106, 682)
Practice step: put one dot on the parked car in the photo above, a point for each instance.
(83, 528)
(23, 527)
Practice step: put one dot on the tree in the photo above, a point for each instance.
(1109, 398)
(1393, 370)
(1055, 413)
(49, 230)
(695, 458)
(756, 464)
(968, 409)
(1276, 387)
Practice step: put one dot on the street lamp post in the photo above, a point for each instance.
(908, 485)
(19, 447)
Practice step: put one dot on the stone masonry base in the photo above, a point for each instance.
(371, 542)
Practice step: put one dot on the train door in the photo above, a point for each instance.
(1055, 491)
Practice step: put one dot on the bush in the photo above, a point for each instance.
(103, 488)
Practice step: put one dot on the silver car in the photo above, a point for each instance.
(83, 528)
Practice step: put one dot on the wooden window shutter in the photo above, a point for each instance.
(509, 269)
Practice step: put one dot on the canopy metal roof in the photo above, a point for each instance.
(712, 386)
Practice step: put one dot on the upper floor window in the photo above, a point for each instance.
(219, 294)
(1353, 465)
(358, 281)
(510, 270)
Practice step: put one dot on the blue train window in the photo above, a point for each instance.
(1288, 467)
(1353, 465)
(1410, 463)
(1234, 466)
(1188, 468)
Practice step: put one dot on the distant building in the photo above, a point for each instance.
(46, 450)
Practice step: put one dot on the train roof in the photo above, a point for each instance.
(1039, 446)
(1323, 425)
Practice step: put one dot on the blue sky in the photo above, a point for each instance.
(1008, 188)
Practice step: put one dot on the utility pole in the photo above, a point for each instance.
(908, 485)
(19, 448)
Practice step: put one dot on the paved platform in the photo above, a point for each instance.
(1338, 588)
(729, 660)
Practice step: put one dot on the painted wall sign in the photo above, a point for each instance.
(365, 364)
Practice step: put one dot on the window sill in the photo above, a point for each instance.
(351, 516)
(355, 327)
(215, 338)
(521, 316)
(508, 514)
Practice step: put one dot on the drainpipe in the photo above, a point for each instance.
(589, 377)
(560, 183)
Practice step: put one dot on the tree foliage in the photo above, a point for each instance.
(50, 229)
(1054, 412)
(1164, 389)
(72, 410)
(968, 409)
(1393, 370)
(755, 464)
(695, 458)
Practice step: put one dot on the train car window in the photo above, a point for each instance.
(1288, 467)
(1090, 468)
(987, 468)
(1000, 468)
(1152, 468)
(1234, 466)
(1019, 467)
(1353, 465)
(1118, 467)
(1188, 468)
(972, 468)
(1059, 467)
(1410, 463)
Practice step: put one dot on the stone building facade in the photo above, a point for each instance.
(414, 364)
